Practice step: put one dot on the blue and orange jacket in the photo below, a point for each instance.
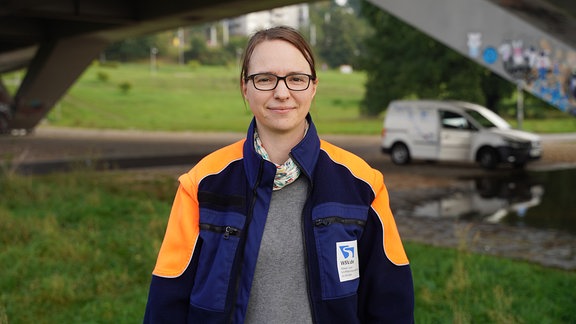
(206, 264)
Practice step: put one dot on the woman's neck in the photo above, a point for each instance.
(279, 144)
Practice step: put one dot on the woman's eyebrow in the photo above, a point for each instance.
(289, 73)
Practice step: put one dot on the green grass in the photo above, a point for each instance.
(80, 248)
(560, 124)
(202, 99)
(454, 286)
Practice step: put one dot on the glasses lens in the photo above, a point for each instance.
(297, 81)
(265, 81)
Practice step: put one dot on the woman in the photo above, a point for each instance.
(281, 227)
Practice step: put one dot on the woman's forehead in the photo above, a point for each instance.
(277, 56)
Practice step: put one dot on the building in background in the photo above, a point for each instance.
(296, 16)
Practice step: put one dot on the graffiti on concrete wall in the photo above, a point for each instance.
(547, 72)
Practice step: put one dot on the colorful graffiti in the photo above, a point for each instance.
(547, 72)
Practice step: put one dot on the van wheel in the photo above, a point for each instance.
(400, 154)
(488, 158)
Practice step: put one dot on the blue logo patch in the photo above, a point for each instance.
(347, 251)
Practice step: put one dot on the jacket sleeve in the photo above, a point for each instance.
(386, 291)
(173, 276)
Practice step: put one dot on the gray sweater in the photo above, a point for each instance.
(279, 293)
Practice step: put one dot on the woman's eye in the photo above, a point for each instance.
(297, 78)
(263, 79)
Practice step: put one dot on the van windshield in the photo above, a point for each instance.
(488, 119)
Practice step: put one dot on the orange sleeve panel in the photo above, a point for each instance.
(392, 243)
(181, 235)
(381, 205)
(183, 225)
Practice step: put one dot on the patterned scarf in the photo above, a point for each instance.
(287, 172)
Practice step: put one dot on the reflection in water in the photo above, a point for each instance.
(542, 200)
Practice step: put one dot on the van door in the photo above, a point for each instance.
(455, 136)
(424, 133)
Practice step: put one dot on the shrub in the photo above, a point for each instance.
(194, 64)
(125, 87)
(102, 76)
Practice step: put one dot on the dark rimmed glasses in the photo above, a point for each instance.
(269, 81)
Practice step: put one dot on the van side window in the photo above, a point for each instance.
(452, 120)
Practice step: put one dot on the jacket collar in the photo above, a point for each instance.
(305, 154)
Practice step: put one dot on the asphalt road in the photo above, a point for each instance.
(52, 149)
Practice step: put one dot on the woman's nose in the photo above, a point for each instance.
(281, 91)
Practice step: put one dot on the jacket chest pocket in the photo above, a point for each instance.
(220, 236)
(337, 229)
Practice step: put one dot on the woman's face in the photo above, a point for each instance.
(280, 110)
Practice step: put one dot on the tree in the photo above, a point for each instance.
(495, 88)
(198, 47)
(340, 33)
(404, 62)
(219, 54)
(131, 49)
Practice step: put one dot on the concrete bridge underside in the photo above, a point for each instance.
(55, 40)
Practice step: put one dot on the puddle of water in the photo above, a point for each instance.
(543, 200)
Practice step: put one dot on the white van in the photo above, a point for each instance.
(439, 130)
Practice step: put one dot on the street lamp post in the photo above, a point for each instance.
(153, 64)
(520, 103)
(181, 46)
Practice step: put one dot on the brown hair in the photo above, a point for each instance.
(284, 33)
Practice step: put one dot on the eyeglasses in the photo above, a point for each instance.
(269, 81)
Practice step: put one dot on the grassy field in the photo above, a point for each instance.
(182, 98)
(80, 248)
(202, 99)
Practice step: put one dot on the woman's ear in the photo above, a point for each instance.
(243, 87)
(314, 85)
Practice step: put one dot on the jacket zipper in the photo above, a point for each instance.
(226, 230)
(243, 240)
(305, 247)
(334, 219)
